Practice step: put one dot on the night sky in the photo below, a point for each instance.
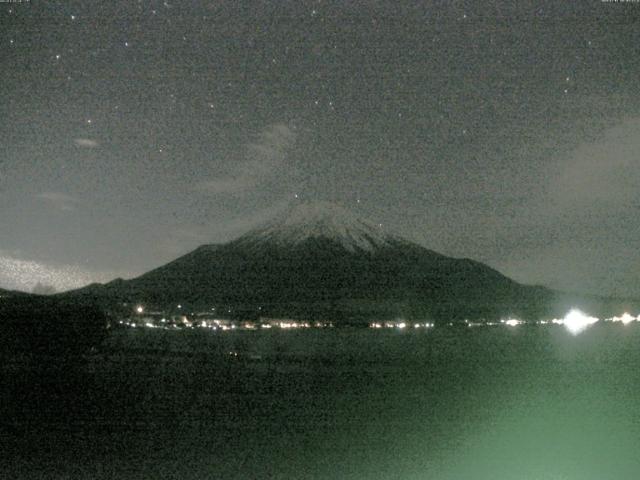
(134, 131)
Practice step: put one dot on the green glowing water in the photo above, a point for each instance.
(488, 403)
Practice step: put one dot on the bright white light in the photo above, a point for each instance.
(575, 321)
(402, 325)
(625, 319)
(139, 309)
(512, 322)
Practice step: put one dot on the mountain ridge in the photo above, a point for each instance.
(321, 261)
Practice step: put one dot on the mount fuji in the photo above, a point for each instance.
(318, 260)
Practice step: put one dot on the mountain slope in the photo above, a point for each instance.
(318, 260)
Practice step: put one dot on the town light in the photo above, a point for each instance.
(575, 321)
(625, 318)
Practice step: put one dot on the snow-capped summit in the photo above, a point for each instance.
(322, 220)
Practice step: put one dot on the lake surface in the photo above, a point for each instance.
(525, 402)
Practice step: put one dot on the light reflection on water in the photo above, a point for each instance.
(571, 413)
(497, 403)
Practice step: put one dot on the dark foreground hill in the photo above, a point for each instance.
(45, 326)
(319, 261)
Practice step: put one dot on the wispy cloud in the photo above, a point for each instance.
(59, 200)
(579, 232)
(86, 143)
(263, 158)
(241, 224)
(602, 174)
